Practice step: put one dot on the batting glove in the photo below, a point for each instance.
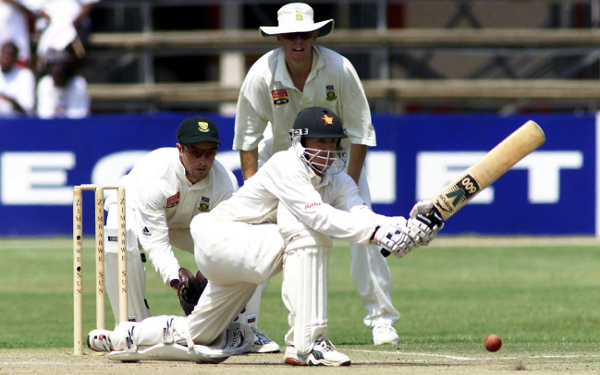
(397, 239)
(426, 213)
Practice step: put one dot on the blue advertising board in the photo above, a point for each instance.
(41, 161)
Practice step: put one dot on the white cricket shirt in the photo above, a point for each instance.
(269, 95)
(329, 205)
(72, 101)
(163, 199)
(18, 84)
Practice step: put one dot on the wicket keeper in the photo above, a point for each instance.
(164, 191)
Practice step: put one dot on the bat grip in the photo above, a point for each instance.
(384, 252)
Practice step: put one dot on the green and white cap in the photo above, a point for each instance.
(197, 129)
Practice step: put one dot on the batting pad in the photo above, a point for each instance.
(304, 291)
(167, 352)
(236, 339)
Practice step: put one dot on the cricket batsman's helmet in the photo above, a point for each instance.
(319, 122)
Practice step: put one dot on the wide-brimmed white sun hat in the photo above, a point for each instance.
(297, 18)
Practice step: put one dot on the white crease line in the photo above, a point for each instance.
(420, 354)
(475, 359)
(566, 356)
(30, 363)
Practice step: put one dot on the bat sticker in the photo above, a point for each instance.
(458, 194)
(466, 188)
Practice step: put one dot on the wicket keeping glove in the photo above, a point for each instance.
(190, 289)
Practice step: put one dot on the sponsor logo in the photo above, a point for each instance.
(458, 194)
(146, 232)
(330, 93)
(112, 239)
(172, 201)
(203, 127)
(204, 204)
(311, 205)
(280, 97)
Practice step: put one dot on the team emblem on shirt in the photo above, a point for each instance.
(280, 97)
(172, 201)
(327, 119)
(204, 204)
(203, 127)
(330, 93)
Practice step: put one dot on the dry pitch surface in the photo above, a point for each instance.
(386, 360)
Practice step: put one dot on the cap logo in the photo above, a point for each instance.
(298, 15)
(203, 127)
(328, 120)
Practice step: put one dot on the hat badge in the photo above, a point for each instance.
(328, 119)
(298, 15)
(203, 127)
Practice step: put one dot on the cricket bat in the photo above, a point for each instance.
(482, 174)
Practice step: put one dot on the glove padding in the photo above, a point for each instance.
(426, 219)
(190, 289)
(422, 231)
(398, 238)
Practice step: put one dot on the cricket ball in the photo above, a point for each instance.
(493, 343)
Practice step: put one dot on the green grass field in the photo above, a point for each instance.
(538, 299)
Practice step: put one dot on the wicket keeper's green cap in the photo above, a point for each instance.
(197, 129)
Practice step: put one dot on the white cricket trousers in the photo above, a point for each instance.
(235, 257)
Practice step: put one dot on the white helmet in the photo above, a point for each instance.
(319, 122)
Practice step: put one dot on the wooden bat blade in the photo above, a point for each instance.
(494, 164)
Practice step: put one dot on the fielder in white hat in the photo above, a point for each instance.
(278, 86)
(297, 18)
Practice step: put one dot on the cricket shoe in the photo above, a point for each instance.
(262, 343)
(385, 334)
(322, 354)
(98, 340)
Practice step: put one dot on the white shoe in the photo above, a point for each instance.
(98, 340)
(385, 334)
(323, 354)
(262, 343)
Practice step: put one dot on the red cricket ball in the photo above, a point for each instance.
(493, 343)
